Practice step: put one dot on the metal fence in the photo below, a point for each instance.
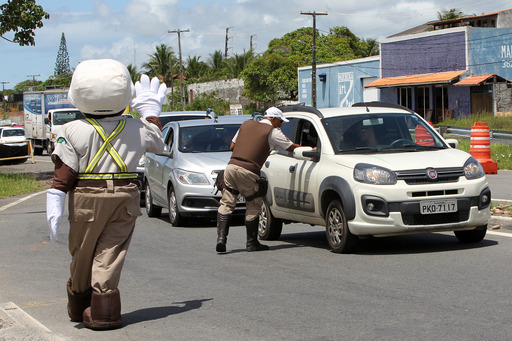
(496, 136)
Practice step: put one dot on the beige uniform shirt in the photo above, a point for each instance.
(80, 141)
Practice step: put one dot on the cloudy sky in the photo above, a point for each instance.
(129, 30)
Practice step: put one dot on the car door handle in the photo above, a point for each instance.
(291, 169)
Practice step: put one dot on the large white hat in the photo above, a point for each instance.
(274, 112)
(101, 87)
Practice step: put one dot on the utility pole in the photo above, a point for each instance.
(226, 47)
(172, 81)
(252, 48)
(313, 66)
(3, 89)
(181, 67)
(33, 79)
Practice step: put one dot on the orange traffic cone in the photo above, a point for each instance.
(422, 136)
(480, 147)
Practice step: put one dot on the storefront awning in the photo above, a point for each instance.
(482, 79)
(426, 78)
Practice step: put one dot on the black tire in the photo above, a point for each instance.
(471, 236)
(151, 209)
(339, 237)
(269, 227)
(175, 216)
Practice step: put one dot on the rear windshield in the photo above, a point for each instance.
(12, 132)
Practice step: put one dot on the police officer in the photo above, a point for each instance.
(251, 146)
(95, 162)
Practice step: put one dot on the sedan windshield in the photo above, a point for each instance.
(212, 138)
(381, 133)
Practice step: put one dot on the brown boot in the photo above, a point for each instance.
(77, 302)
(223, 223)
(252, 236)
(104, 312)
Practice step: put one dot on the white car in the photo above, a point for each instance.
(13, 143)
(378, 170)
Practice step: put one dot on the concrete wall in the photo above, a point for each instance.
(490, 51)
(424, 53)
(229, 90)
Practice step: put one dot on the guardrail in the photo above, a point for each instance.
(466, 132)
(29, 156)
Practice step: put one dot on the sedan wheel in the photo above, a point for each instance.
(339, 237)
(174, 215)
(151, 209)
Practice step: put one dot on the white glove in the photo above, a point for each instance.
(54, 209)
(149, 97)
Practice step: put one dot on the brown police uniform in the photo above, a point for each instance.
(253, 143)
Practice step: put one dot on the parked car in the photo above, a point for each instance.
(166, 117)
(181, 179)
(378, 170)
(13, 143)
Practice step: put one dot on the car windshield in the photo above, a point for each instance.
(212, 138)
(12, 132)
(381, 133)
(62, 117)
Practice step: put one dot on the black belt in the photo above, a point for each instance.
(103, 183)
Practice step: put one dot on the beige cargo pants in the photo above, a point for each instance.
(102, 221)
(243, 181)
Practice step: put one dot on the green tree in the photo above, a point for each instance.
(453, 13)
(238, 63)
(270, 78)
(216, 63)
(195, 68)
(60, 81)
(212, 101)
(62, 62)
(161, 63)
(134, 74)
(21, 17)
(25, 85)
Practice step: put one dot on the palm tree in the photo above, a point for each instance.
(453, 13)
(161, 63)
(239, 62)
(216, 62)
(195, 68)
(134, 74)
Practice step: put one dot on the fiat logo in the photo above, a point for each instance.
(432, 174)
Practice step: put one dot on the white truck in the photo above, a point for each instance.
(45, 112)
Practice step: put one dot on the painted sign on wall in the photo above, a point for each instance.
(346, 89)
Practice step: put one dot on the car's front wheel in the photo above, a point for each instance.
(151, 209)
(339, 237)
(175, 217)
(269, 227)
(471, 236)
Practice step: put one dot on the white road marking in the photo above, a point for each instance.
(21, 200)
(502, 234)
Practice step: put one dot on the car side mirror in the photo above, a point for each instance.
(453, 143)
(305, 153)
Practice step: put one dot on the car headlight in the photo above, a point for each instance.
(190, 178)
(473, 169)
(371, 174)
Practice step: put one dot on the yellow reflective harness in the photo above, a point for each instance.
(106, 147)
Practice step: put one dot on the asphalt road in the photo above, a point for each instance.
(175, 287)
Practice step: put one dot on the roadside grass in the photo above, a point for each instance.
(500, 153)
(15, 184)
(494, 122)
